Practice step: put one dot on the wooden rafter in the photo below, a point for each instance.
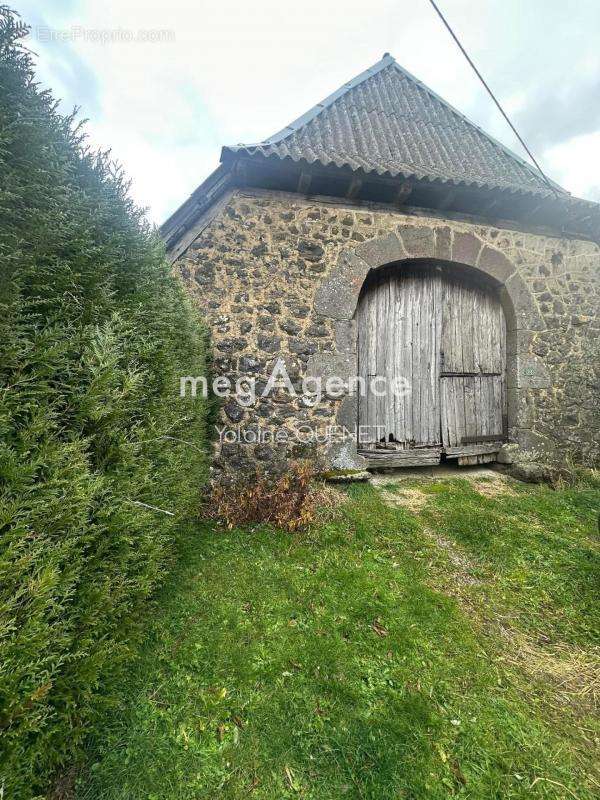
(354, 187)
(490, 206)
(447, 200)
(403, 193)
(240, 172)
(304, 182)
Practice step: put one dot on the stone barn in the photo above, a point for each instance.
(442, 290)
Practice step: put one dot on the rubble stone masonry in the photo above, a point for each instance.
(277, 275)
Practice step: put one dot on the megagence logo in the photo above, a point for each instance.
(312, 389)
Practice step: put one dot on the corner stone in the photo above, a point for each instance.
(531, 373)
(344, 456)
(347, 414)
(329, 365)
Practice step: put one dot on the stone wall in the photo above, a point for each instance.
(277, 275)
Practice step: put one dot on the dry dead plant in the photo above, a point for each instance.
(289, 501)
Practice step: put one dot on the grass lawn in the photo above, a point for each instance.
(433, 640)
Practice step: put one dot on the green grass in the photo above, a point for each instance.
(539, 549)
(359, 661)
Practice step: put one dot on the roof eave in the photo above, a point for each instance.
(202, 197)
(552, 212)
(580, 218)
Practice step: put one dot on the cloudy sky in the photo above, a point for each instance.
(165, 84)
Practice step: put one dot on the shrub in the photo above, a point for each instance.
(288, 501)
(94, 334)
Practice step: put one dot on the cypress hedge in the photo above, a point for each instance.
(94, 335)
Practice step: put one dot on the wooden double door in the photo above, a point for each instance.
(432, 359)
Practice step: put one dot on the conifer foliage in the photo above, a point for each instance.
(94, 334)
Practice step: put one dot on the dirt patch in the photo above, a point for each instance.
(410, 498)
(414, 500)
(64, 786)
(484, 480)
(463, 566)
(494, 485)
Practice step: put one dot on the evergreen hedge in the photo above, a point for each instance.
(94, 334)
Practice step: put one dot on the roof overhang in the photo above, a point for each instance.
(561, 215)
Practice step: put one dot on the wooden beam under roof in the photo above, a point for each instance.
(532, 214)
(487, 207)
(354, 187)
(240, 172)
(403, 193)
(304, 182)
(447, 200)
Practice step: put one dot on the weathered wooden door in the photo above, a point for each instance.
(431, 353)
(473, 369)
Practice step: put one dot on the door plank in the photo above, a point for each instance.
(416, 457)
(473, 449)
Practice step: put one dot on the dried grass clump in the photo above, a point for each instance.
(289, 501)
(410, 498)
(494, 486)
(573, 672)
(328, 501)
(571, 475)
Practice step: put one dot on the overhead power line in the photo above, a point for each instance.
(491, 94)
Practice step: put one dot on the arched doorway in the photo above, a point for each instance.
(432, 359)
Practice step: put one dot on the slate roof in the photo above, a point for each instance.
(387, 122)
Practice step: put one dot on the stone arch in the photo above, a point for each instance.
(337, 298)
